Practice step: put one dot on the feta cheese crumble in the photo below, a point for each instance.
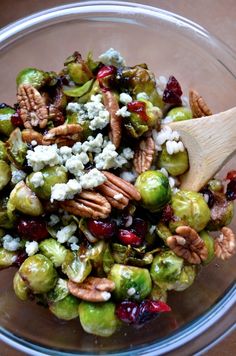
(10, 243)
(125, 98)
(37, 179)
(112, 57)
(43, 156)
(66, 233)
(31, 247)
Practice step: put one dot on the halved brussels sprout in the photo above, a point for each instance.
(75, 268)
(6, 221)
(158, 294)
(16, 148)
(77, 92)
(53, 250)
(35, 77)
(20, 287)
(51, 176)
(191, 209)
(66, 308)
(180, 113)
(39, 274)
(3, 151)
(78, 69)
(132, 283)
(175, 164)
(5, 174)
(59, 292)
(98, 318)
(210, 244)
(6, 126)
(222, 212)
(185, 279)
(154, 189)
(7, 258)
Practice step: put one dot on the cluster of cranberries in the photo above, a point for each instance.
(172, 93)
(133, 313)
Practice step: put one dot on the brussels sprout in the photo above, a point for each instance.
(39, 274)
(59, 292)
(77, 92)
(158, 294)
(175, 164)
(6, 221)
(23, 199)
(53, 250)
(95, 89)
(3, 151)
(166, 268)
(95, 255)
(191, 209)
(185, 279)
(78, 69)
(6, 126)
(98, 318)
(35, 77)
(7, 258)
(215, 185)
(5, 174)
(93, 65)
(221, 212)
(16, 148)
(65, 309)
(154, 189)
(209, 242)
(75, 268)
(162, 231)
(180, 114)
(108, 260)
(51, 176)
(20, 287)
(132, 283)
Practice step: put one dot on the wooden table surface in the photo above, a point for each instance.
(217, 16)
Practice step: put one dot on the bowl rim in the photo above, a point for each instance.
(199, 325)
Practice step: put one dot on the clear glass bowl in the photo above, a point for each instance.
(169, 44)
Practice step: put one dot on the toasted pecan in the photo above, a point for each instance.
(225, 244)
(112, 106)
(29, 135)
(198, 105)
(144, 155)
(66, 134)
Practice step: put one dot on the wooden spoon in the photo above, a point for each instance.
(210, 141)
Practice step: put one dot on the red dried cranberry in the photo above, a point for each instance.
(32, 229)
(129, 238)
(231, 190)
(105, 71)
(16, 120)
(149, 309)
(172, 93)
(138, 107)
(167, 214)
(127, 312)
(21, 257)
(231, 175)
(102, 228)
(140, 227)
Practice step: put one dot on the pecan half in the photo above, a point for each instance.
(198, 105)
(93, 289)
(188, 244)
(32, 107)
(88, 205)
(29, 135)
(117, 191)
(112, 106)
(225, 244)
(144, 155)
(66, 134)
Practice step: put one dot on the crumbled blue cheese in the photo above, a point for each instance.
(43, 156)
(112, 57)
(73, 243)
(65, 152)
(64, 191)
(166, 135)
(123, 112)
(141, 96)
(75, 165)
(54, 219)
(66, 232)
(10, 243)
(128, 176)
(109, 157)
(17, 175)
(31, 247)
(37, 179)
(125, 98)
(92, 179)
(93, 144)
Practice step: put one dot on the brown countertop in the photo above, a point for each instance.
(217, 16)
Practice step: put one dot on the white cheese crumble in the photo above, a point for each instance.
(34, 143)
(10, 243)
(109, 157)
(64, 191)
(73, 243)
(17, 175)
(173, 147)
(31, 247)
(54, 219)
(65, 152)
(152, 229)
(123, 112)
(112, 57)
(125, 98)
(161, 84)
(131, 291)
(92, 179)
(43, 156)
(93, 144)
(128, 176)
(75, 165)
(66, 232)
(141, 96)
(37, 179)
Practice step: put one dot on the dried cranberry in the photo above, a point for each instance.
(140, 227)
(102, 228)
(172, 93)
(129, 238)
(209, 196)
(139, 108)
(21, 257)
(167, 214)
(127, 312)
(231, 190)
(16, 120)
(32, 229)
(106, 71)
(150, 309)
(231, 175)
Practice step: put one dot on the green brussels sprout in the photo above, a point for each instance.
(221, 212)
(5, 174)
(108, 260)
(215, 185)
(20, 287)
(191, 209)
(154, 189)
(53, 250)
(132, 283)
(95, 256)
(7, 258)
(180, 114)
(51, 176)
(98, 318)
(39, 274)
(66, 308)
(78, 69)
(16, 148)
(24, 200)
(6, 221)
(77, 92)
(166, 268)
(158, 294)
(75, 268)
(3, 151)
(175, 164)
(6, 126)
(59, 292)
(95, 89)
(35, 77)
(210, 245)
(185, 279)
(135, 126)
(162, 231)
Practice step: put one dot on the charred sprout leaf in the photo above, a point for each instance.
(95, 89)
(20, 287)
(53, 250)
(5, 174)
(93, 65)
(7, 258)
(98, 318)
(3, 151)
(175, 164)
(75, 268)
(77, 92)
(221, 212)
(209, 242)
(16, 148)
(95, 256)
(83, 227)
(39, 274)
(162, 231)
(66, 308)
(6, 126)
(78, 69)
(140, 262)
(120, 253)
(35, 77)
(59, 292)
(108, 260)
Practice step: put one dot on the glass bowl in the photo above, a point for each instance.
(170, 44)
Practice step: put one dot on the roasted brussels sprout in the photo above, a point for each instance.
(53, 250)
(5, 174)
(66, 308)
(98, 318)
(59, 292)
(6, 220)
(20, 287)
(78, 69)
(166, 269)
(51, 176)
(16, 148)
(35, 77)
(108, 260)
(209, 242)
(216, 185)
(3, 151)
(180, 114)
(75, 268)
(132, 283)
(77, 92)
(7, 258)
(185, 279)
(191, 209)
(222, 212)
(175, 164)
(163, 231)
(158, 294)
(154, 189)
(6, 126)
(39, 274)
